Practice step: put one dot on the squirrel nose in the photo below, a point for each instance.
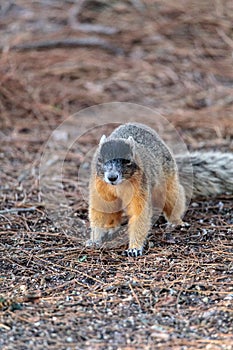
(112, 177)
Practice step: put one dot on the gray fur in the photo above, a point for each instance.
(115, 149)
(212, 173)
(149, 149)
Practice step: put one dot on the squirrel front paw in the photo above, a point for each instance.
(134, 252)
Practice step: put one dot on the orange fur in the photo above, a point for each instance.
(106, 191)
(149, 158)
(137, 202)
(105, 220)
(107, 203)
(174, 205)
(104, 209)
(139, 211)
(104, 198)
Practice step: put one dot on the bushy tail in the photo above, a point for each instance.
(212, 173)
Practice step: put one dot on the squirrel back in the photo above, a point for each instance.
(202, 173)
(151, 152)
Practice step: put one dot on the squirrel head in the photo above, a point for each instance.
(116, 159)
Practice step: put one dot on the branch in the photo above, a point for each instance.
(16, 210)
(69, 43)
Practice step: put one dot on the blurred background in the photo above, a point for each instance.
(58, 57)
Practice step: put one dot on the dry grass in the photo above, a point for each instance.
(54, 293)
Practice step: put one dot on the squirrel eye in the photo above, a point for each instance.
(127, 162)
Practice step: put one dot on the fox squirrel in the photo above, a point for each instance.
(134, 170)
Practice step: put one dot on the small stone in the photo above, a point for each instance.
(86, 165)
(194, 205)
(69, 339)
(151, 244)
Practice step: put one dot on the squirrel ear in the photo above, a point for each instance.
(103, 139)
(132, 143)
(131, 139)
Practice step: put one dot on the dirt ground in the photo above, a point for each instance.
(58, 58)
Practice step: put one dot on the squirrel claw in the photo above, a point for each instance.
(133, 252)
(182, 224)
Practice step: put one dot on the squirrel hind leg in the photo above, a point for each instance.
(103, 224)
(175, 202)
